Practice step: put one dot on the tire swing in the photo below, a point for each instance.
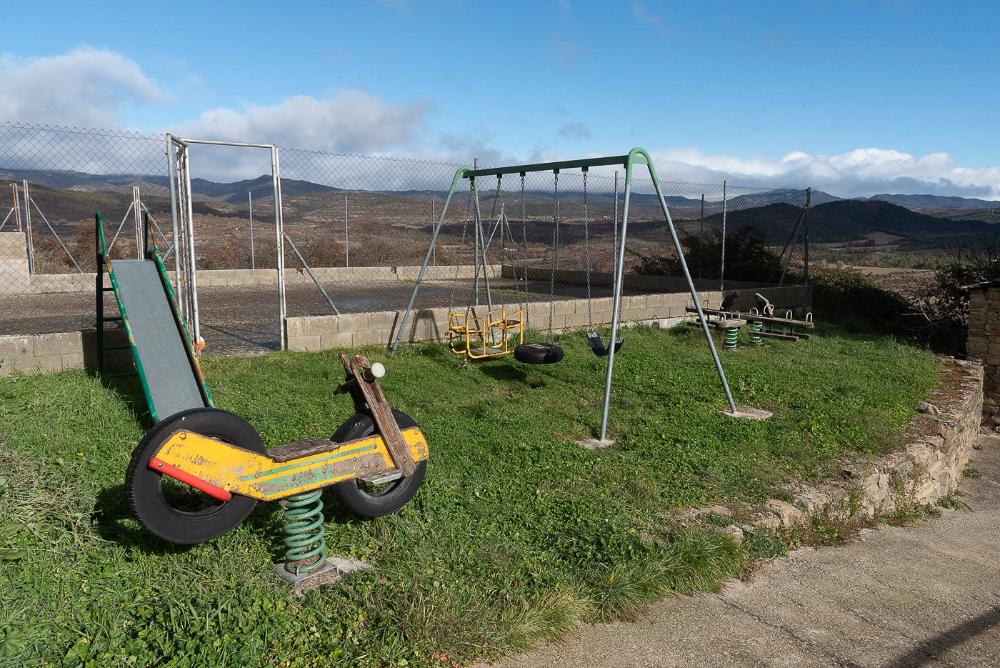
(593, 338)
(546, 352)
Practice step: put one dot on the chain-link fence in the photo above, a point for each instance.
(356, 229)
(52, 181)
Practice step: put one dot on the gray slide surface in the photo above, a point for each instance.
(165, 364)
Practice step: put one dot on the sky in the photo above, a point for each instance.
(855, 98)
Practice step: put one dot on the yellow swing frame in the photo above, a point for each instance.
(481, 338)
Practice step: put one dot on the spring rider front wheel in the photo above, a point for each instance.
(173, 510)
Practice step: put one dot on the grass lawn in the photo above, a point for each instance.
(516, 535)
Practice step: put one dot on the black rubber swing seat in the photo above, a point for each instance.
(538, 353)
(594, 339)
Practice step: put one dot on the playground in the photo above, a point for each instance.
(516, 535)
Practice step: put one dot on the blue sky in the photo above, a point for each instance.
(855, 96)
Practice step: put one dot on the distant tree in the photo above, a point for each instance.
(748, 258)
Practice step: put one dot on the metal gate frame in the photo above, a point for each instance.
(182, 218)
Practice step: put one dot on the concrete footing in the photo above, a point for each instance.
(333, 570)
(595, 443)
(749, 413)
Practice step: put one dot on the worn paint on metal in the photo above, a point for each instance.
(252, 474)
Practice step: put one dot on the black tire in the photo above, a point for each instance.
(389, 498)
(538, 353)
(176, 512)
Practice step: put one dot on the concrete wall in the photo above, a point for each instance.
(797, 298)
(983, 344)
(14, 264)
(326, 332)
(14, 277)
(59, 352)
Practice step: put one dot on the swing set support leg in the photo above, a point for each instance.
(640, 157)
(459, 173)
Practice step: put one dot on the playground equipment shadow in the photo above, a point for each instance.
(516, 536)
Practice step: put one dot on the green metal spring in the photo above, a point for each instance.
(304, 537)
(732, 335)
(756, 327)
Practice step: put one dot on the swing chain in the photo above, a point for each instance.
(524, 235)
(555, 245)
(461, 247)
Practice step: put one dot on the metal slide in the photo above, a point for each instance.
(164, 359)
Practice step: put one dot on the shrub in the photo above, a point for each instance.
(748, 257)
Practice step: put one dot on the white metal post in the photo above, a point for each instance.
(253, 262)
(192, 264)
(172, 177)
(279, 231)
(722, 268)
(615, 226)
(27, 229)
(347, 245)
(17, 207)
(140, 245)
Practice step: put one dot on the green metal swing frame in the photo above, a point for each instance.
(636, 157)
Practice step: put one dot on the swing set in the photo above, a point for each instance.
(501, 331)
(493, 337)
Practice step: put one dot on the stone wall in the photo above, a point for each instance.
(938, 445)
(983, 344)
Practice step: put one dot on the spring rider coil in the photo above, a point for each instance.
(304, 538)
(755, 329)
(731, 337)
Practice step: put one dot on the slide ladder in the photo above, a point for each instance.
(165, 361)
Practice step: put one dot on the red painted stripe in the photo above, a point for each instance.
(188, 479)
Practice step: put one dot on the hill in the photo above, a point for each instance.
(849, 220)
(935, 201)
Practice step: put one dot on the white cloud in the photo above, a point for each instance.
(350, 121)
(859, 172)
(95, 88)
(86, 87)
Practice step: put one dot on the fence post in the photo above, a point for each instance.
(701, 237)
(347, 245)
(17, 207)
(253, 259)
(27, 229)
(614, 227)
(140, 245)
(722, 269)
(279, 232)
(805, 263)
(434, 259)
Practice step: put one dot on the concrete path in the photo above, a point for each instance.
(927, 595)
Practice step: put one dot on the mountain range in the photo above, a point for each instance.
(236, 192)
